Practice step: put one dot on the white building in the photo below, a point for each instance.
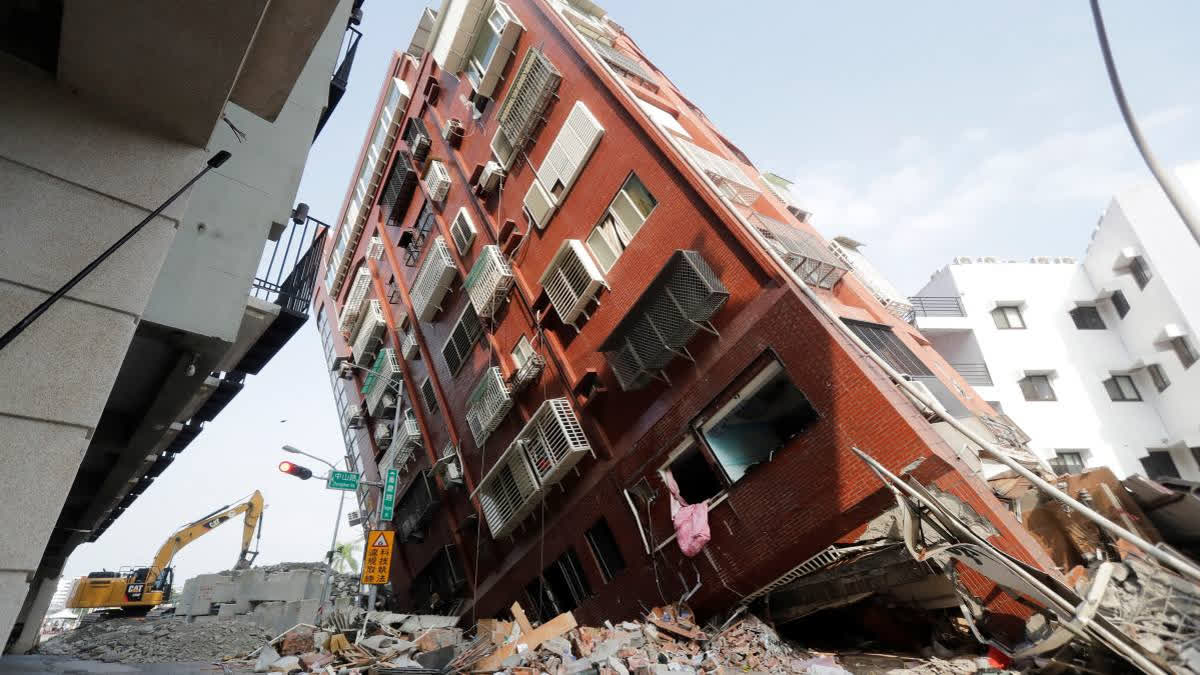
(1094, 359)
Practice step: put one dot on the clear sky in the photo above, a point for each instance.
(927, 130)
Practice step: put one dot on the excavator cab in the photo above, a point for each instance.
(163, 583)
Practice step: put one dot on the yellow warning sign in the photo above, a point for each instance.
(377, 557)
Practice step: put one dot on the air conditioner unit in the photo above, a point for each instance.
(346, 370)
(353, 418)
(437, 181)
(452, 131)
(571, 281)
(490, 179)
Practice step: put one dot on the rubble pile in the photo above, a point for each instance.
(138, 640)
(1157, 608)
(666, 642)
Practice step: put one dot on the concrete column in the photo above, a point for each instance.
(32, 614)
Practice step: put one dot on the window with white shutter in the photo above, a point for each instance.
(463, 231)
(578, 137)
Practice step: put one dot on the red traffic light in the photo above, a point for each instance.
(295, 470)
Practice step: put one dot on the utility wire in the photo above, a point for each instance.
(1170, 185)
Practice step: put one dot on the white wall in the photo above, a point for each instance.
(1114, 434)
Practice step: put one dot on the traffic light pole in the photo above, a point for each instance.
(332, 547)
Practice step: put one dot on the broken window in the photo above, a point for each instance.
(604, 546)
(1159, 464)
(561, 588)
(695, 476)
(758, 422)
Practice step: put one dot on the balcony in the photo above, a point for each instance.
(976, 374)
(802, 251)
(381, 382)
(369, 334)
(489, 402)
(680, 301)
(416, 508)
(433, 280)
(489, 281)
(936, 315)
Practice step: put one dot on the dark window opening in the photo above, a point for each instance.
(1087, 317)
(428, 395)
(1140, 271)
(1120, 303)
(1184, 350)
(888, 346)
(1037, 388)
(561, 588)
(696, 478)
(1008, 317)
(1067, 461)
(1158, 464)
(1161, 381)
(758, 422)
(604, 546)
(1122, 388)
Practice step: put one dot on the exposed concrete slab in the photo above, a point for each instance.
(35, 609)
(13, 587)
(226, 612)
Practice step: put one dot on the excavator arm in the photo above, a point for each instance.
(252, 507)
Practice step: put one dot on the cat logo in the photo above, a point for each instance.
(134, 591)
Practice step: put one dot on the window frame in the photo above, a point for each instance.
(623, 233)
(471, 340)
(428, 398)
(1139, 269)
(1122, 307)
(1184, 351)
(470, 231)
(519, 362)
(1153, 454)
(608, 571)
(905, 361)
(1000, 312)
(1158, 376)
(1049, 386)
(1087, 317)
(1117, 392)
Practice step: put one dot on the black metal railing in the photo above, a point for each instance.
(937, 306)
(976, 374)
(301, 263)
(341, 76)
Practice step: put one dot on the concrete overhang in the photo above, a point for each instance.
(172, 65)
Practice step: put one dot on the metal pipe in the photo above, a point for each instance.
(332, 547)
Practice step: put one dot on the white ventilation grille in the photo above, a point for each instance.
(382, 381)
(437, 181)
(508, 493)
(534, 84)
(409, 432)
(554, 441)
(370, 332)
(433, 280)
(354, 300)
(578, 137)
(489, 402)
(409, 347)
(462, 230)
(352, 418)
(728, 176)
(571, 281)
(528, 372)
(375, 248)
(489, 281)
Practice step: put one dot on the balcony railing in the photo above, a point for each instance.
(489, 402)
(293, 291)
(976, 374)
(932, 305)
(409, 433)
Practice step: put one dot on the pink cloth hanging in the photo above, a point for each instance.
(690, 520)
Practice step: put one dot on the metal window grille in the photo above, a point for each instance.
(427, 394)
(528, 372)
(416, 136)
(416, 508)
(803, 252)
(409, 347)
(383, 379)
(399, 189)
(508, 493)
(489, 281)
(375, 248)
(352, 418)
(489, 402)
(680, 301)
(896, 304)
(884, 342)
(433, 280)
(408, 433)
(354, 300)
(437, 181)
(370, 332)
(553, 440)
(620, 60)
(463, 231)
(822, 559)
(534, 84)
(571, 281)
(728, 176)
(462, 340)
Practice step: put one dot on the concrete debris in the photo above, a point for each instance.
(164, 640)
(1160, 610)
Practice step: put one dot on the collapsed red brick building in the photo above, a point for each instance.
(554, 285)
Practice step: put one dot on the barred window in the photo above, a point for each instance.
(884, 342)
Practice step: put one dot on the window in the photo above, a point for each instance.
(497, 37)
(1184, 350)
(1037, 388)
(696, 478)
(1120, 303)
(1121, 388)
(1008, 317)
(625, 216)
(462, 230)
(884, 342)
(1067, 461)
(561, 587)
(462, 339)
(759, 421)
(485, 47)
(1159, 464)
(427, 394)
(1087, 317)
(1140, 271)
(1161, 382)
(522, 352)
(604, 546)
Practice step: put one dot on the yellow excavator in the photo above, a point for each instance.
(136, 590)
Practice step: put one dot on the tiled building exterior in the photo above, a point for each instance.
(548, 380)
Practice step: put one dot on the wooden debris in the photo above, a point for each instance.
(531, 640)
(677, 619)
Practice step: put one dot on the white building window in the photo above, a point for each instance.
(1159, 376)
(621, 222)
(1008, 317)
(1087, 317)
(1067, 461)
(1122, 388)
(1140, 271)
(522, 352)
(1037, 388)
(1184, 350)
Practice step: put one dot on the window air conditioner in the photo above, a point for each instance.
(490, 179)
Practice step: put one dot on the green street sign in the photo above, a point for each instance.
(342, 480)
(389, 495)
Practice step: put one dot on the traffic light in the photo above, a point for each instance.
(295, 470)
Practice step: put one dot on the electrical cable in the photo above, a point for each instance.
(1175, 192)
